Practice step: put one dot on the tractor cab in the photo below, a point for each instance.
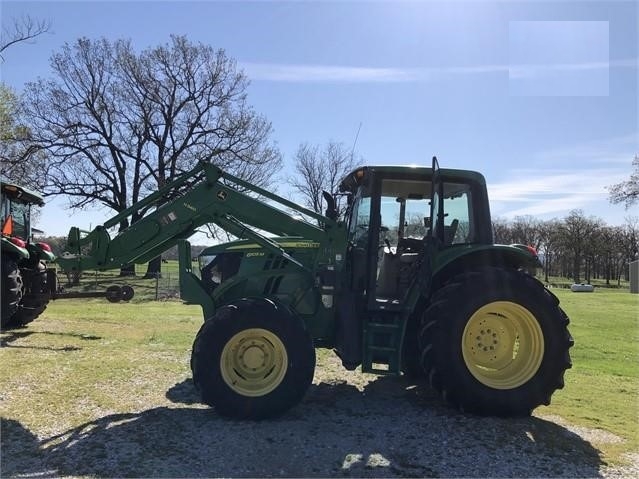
(396, 215)
(400, 221)
(15, 211)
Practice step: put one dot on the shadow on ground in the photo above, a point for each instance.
(12, 335)
(390, 429)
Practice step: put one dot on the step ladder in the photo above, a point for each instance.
(383, 333)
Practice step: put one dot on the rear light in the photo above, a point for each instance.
(44, 247)
(18, 242)
(526, 247)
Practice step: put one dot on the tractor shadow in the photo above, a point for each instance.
(389, 429)
(12, 336)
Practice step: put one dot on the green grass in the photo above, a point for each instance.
(563, 282)
(87, 356)
(602, 388)
(165, 287)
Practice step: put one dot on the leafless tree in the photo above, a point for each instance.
(321, 168)
(502, 231)
(577, 233)
(20, 30)
(627, 192)
(117, 124)
(550, 236)
(526, 230)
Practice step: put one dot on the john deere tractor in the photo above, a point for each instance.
(408, 282)
(25, 292)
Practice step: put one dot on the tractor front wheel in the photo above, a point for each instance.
(11, 290)
(495, 342)
(36, 295)
(253, 359)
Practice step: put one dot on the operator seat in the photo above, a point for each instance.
(449, 232)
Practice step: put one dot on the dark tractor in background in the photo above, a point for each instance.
(25, 289)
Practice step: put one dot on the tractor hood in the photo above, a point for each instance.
(285, 242)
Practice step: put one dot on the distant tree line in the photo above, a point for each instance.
(578, 247)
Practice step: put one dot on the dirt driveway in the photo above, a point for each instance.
(349, 425)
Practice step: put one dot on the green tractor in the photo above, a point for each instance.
(25, 289)
(408, 282)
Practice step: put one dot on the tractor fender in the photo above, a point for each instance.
(13, 249)
(474, 258)
(40, 253)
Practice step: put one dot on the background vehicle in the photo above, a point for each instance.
(25, 292)
(409, 281)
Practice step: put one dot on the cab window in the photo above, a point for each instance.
(458, 214)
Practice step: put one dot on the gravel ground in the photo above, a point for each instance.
(349, 425)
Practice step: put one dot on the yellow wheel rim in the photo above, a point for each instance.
(503, 345)
(253, 362)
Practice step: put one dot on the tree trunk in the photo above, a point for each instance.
(576, 267)
(154, 268)
(127, 270)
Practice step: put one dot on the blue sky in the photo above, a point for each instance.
(539, 96)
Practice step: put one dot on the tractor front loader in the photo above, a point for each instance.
(408, 282)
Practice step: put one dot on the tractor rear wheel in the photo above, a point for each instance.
(11, 290)
(495, 342)
(253, 359)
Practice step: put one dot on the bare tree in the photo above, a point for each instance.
(628, 245)
(577, 238)
(20, 30)
(627, 192)
(527, 230)
(549, 233)
(502, 231)
(117, 124)
(319, 169)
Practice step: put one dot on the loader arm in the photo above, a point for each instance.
(216, 198)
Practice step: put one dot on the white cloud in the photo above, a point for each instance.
(610, 153)
(547, 192)
(551, 207)
(278, 72)
(535, 71)
(324, 73)
(566, 178)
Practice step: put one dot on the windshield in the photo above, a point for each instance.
(19, 213)
(404, 208)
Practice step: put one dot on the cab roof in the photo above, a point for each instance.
(359, 175)
(19, 193)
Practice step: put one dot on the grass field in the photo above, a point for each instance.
(164, 287)
(602, 388)
(87, 358)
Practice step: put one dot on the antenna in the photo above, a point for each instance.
(355, 142)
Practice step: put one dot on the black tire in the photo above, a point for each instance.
(411, 363)
(253, 359)
(36, 295)
(113, 293)
(11, 290)
(127, 293)
(495, 342)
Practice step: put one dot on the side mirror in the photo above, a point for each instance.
(331, 210)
